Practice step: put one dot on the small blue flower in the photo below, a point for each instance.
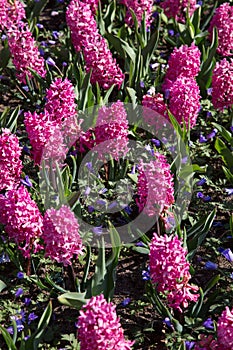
(209, 265)
(26, 181)
(31, 317)
(208, 324)
(55, 34)
(64, 64)
(166, 94)
(146, 274)
(231, 128)
(231, 275)
(52, 42)
(212, 134)
(227, 253)
(87, 191)
(200, 195)
(139, 244)
(27, 301)
(209, 91)
(3, 37)
(90, 209)
(25, 88)
(10, 330)
(202, 139)
(171, 32)
(208, 114)
(207, 198)
(41, 51)
(168, 323)
(98, 230)
(20, 274)
(217, 224)
(39, 25)
(201, 182)
(157, 143)
(19, 292)
(4, 258)
(125, 302)
(189, 344)
(229, 191)
(142, 84)
(50, 62)
(128, 210)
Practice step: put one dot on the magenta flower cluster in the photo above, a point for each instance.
(155, 187)
(24, 52)
(22, 45)
(180, 89)
(11, 13)
(110, 136)
(99, 327)
(85, 36)
(178, 8)
(22, 219)
(10, 163)
(47, 130)
(184, 61)
(222, 84)
(223, 21)
(61, 235)
(139, 7)
(224, 339)
(169, 271)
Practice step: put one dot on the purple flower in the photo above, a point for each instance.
(212, 134)
(157, 143)
(208, 324)
(209, 91)
(231, 275)
(50, 62)
(10, 330)
(55, 34)
(64, 64)
(4, 258)
(142, 85)
(231, 128)
(139, 244)
(20, 274)
(3, 37)
(200, 195)
(209, 265)
(125, 302)
(19, 292)
(87, 191)
(217, 224)
(41, 51)
(39, 25)
(189, 344)
(206, 198)
(27, 301)
(146, 274)
(166, 94)
(208, 114)
(168, 323)
(26, 181)
(51, 42)
(26, 88)
(202, 139)
(90, 209)
(98, 230)
(171, 32)
(31, 317)
(227, 253)
(229, 191)
(201, 182)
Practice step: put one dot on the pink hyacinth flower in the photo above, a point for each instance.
(222, 84)
(25, 52)
(22, 219)
(10, 163)
(178, 8)
(169, 271)
(61, 235)
(11, 13)
(225, 329)
(139, 8)
(85, 36)
(99, 327)
(155, 186)
(223, 21)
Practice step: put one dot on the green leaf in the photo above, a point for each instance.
(198, 232)
(197, 307)
(211, 284)
(225, 153)
(73, 299)
(121, 46)
(42, 326)
(2, 285)
(224, 133)
(8, 339)
(141, 250)
(37, 8)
